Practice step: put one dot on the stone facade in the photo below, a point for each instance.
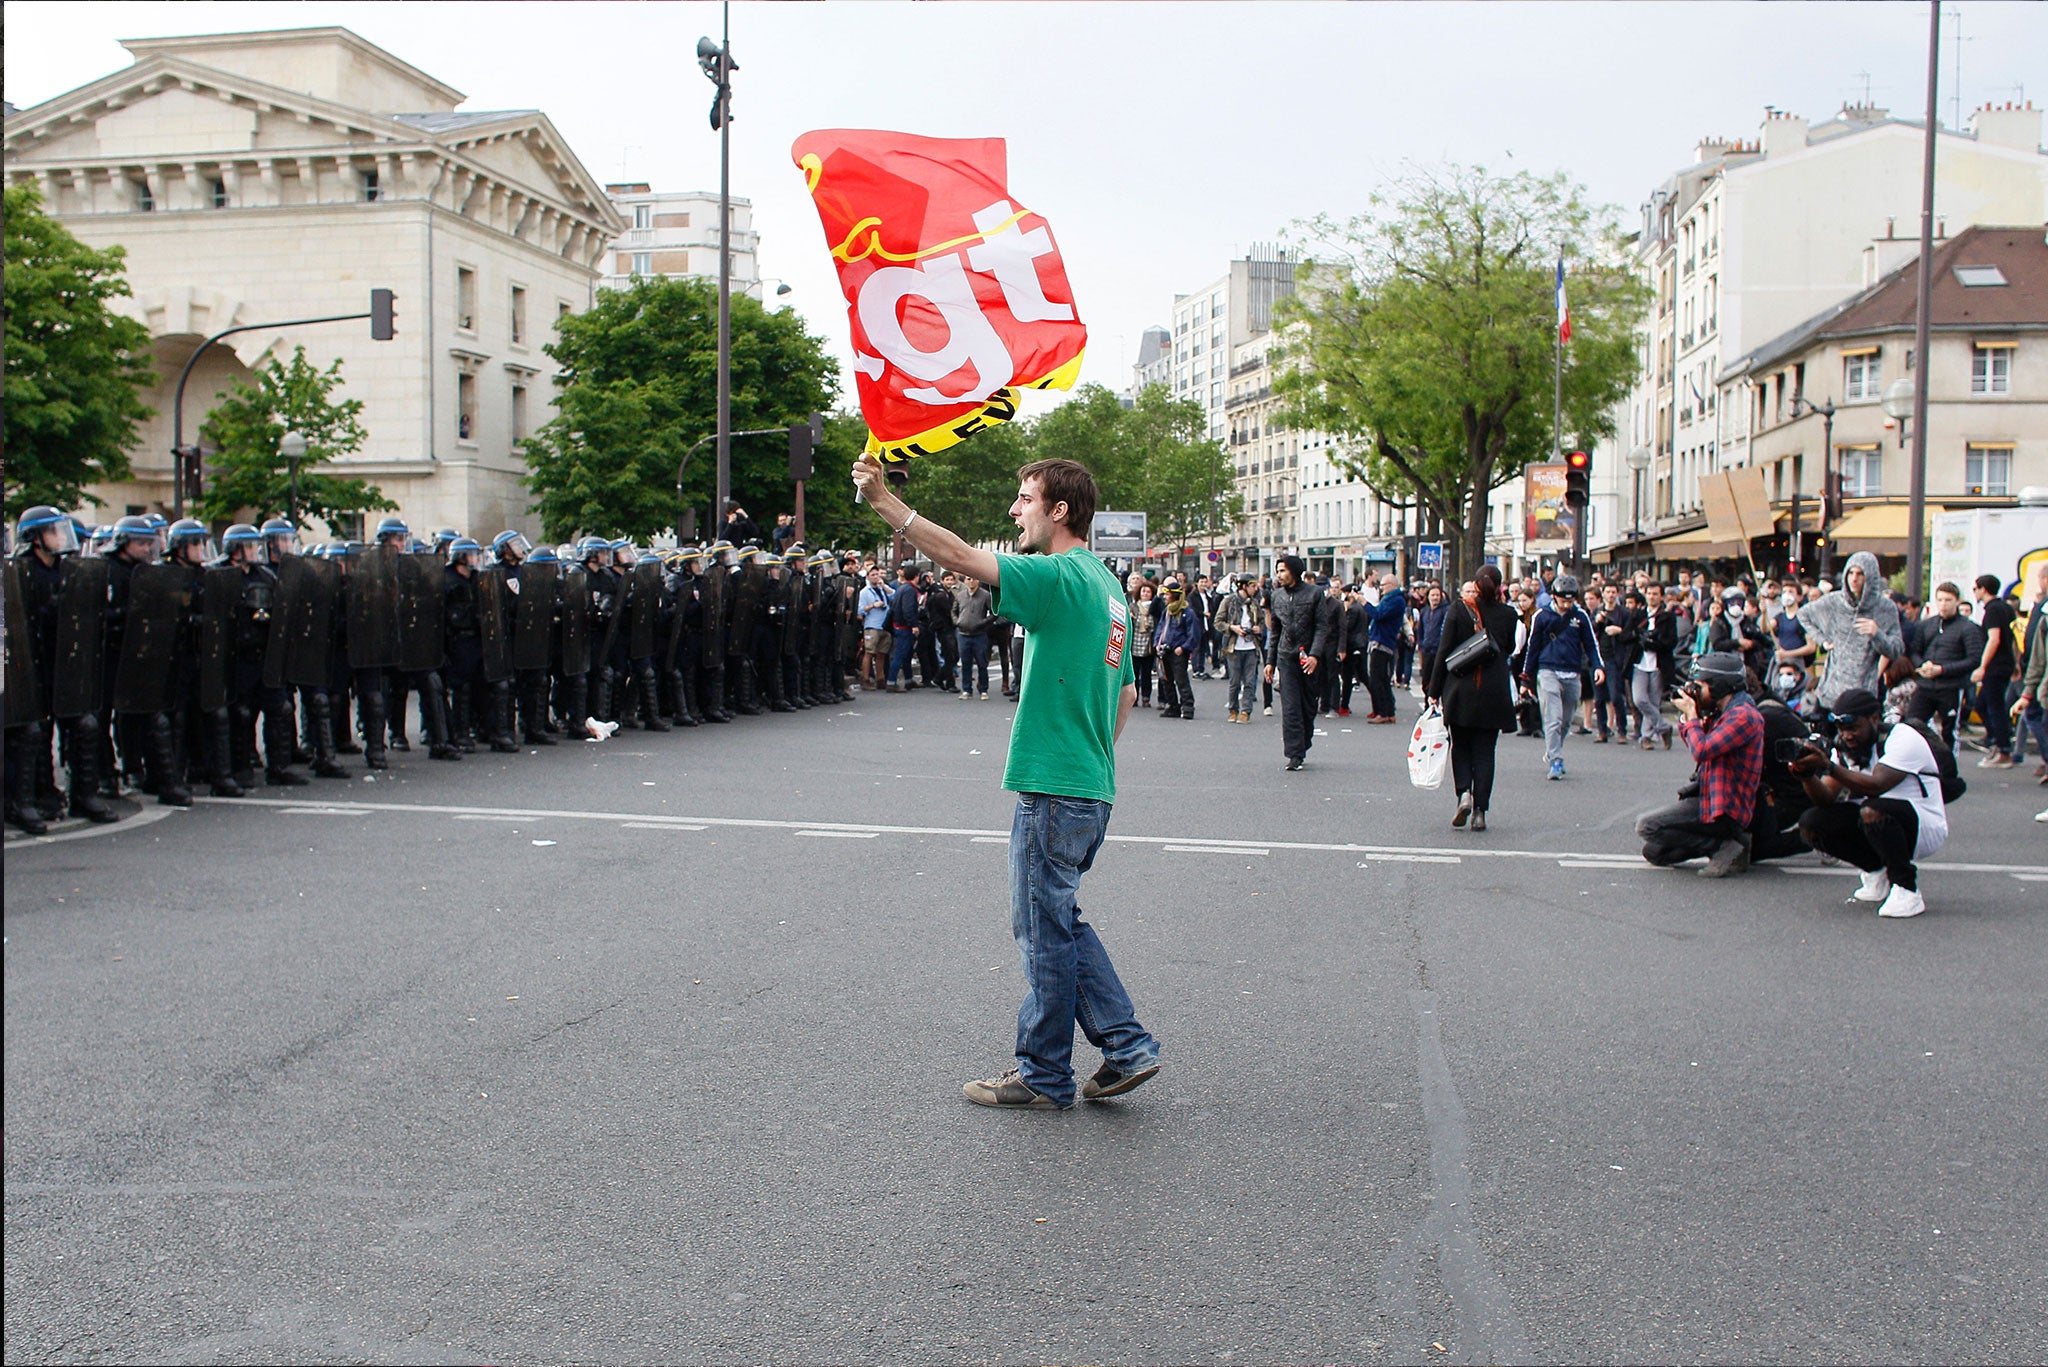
(261, 177)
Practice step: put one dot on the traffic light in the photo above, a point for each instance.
(1577, 466)
(803, 442)
(190, 471)
(383, 316)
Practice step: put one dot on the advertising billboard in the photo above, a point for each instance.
(1117, 534)
(1547, 522)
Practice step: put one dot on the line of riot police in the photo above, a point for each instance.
(147, 652)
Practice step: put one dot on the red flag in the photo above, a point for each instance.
(955, 292)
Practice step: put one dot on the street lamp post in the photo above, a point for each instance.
(1638, 461)
(292, 447)
(718, 65)
(1830, 494)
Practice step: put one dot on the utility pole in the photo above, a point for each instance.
(1916, 504)
(717, 63)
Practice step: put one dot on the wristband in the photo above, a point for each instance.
(906, 522)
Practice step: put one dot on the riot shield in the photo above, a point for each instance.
(573, 609)
(422, 640)
(79, 676)
(309, 651)
(149, 644)
(220, 597)
(533, 617)
(643, 609)
(24, 698)
(373, 609)
(284, 605)
(745, 587)
(493, 625)
(713, 596)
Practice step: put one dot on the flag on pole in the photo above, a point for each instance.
(1564, 313)
(956, 294)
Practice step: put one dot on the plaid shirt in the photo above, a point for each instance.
(1730, 753)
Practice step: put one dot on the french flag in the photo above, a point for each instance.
(1564, 313)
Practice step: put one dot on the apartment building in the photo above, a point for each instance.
(674, 233)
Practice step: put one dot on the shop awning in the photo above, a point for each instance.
(1879, 528)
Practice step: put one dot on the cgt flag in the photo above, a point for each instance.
(955, 292)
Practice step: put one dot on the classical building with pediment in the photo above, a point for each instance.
(260, 177)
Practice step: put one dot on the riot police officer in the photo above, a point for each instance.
(62, 606)
(462, 618)
(251, 697)
(145, 608)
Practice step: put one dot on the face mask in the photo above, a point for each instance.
(1788, 683)
(1790, 600)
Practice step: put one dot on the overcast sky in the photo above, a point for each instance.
(1159, 139)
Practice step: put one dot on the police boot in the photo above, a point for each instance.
(743, 683)
(320, 730)
(576, 705)
(109, 766)
(395, 708)
(461, 727)
(278, 735)
(498, 714)
(160, 763)
(711, 696)
(434, 720)
(220, 751)
(242, 743)
(21, 780)
(650, 699)
(771, 675)
(600, 687)
(131, 740)
(374, 731)
(305, 752)
(339, 730)
(81, 748)
(533, 705)
(680, 690)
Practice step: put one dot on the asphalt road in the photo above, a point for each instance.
(651, 1050)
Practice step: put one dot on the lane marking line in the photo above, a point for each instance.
(659, 826)
(1603, 864)
(472, 816)
(1213, 849)
(840, 835)
(1403, 853)
(148, 816)
(990, 840)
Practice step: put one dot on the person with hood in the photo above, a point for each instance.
(1858, 626)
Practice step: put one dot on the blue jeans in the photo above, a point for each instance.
(899, 656)
(1068, 977)
(973, 662)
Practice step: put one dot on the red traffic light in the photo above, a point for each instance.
(1578, 460)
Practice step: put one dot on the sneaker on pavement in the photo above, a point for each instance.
(1730, 857)
(1557, 769)
(1903, 902)
(1995, 760)
(1876, 887)
(1008, 1092)
(1269, 711)
(1110, 1081)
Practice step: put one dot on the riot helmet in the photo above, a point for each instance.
(593, 548)
(543, 555)
(243, 544)
(44, 527)
(463, 546)
(444, 538)
(280, 538)
(511, 547)
(393, 528)
(189, 534)
(623, 554)
(135, 530)
(99, 542)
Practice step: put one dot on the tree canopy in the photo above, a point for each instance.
(75, 369)
(245, 473)
(1423, 334)
(639, 389)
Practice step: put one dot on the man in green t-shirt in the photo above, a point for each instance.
(1077, 691)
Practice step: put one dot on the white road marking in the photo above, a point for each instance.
(1213, 849)
(841, 835)
(659, 826)
(323, 811)
(2032, 877)
(471, 816)
(990, 840)
(1602, 864)
(1815, 871)
(1398, 854)
(148, 816)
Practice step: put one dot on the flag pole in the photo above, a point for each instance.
(1557, 400)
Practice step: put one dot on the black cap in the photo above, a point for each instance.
(1856, 702)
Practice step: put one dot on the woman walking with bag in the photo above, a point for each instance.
(1144, 609)
(1470, 679)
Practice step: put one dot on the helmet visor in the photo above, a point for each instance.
(515, 544)
(58, 538)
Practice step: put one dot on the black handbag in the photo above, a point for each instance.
(1475, 650)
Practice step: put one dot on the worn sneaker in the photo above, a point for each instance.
(1109, 1082)
(1730, 857)
(1876, 887)
(1009, 1092)
(1557, 769)
(1995, 760)
(1903, 902)
(1269, 711)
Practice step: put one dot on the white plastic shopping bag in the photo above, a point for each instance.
(1429, 749)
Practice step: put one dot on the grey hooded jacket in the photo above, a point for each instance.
(1853, 659)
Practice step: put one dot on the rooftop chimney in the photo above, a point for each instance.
(1782, 132)
(2008, 125)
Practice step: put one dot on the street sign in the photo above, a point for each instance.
(1215, 556)
(1429, 555)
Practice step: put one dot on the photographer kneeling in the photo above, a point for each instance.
(1725, 733)
(1856, 817)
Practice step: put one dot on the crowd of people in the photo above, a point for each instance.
(155, 657)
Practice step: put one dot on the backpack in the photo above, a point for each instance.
(1952, 784)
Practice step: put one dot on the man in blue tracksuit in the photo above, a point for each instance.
(1383, 642)
(1561, 648)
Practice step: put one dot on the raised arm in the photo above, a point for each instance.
(942, 547)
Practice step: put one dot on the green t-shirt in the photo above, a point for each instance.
(1076, 663)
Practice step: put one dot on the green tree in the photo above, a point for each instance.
(245, 472)
(1184, 478)
(639, 388)
(75, 370)
(969, 488)
(1423, 333)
